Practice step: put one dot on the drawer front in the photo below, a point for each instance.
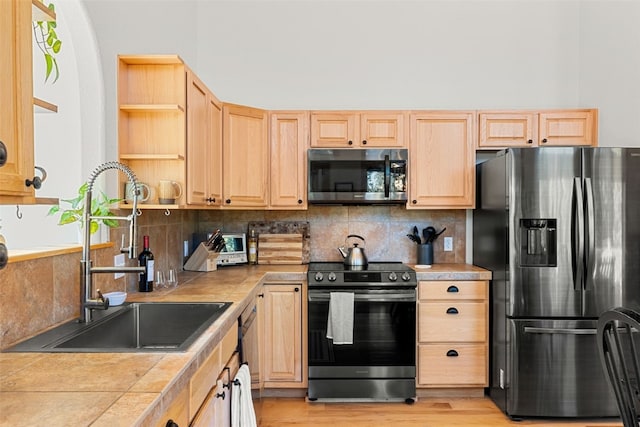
(454, 364)
(452, 290)
(452, 322)
(229, 344)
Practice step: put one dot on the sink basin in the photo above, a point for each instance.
(135, 327)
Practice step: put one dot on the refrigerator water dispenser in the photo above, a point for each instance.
(538, 242)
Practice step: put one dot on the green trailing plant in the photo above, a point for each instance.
(46, 38)
(100, 206)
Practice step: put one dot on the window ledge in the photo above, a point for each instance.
(19, 255)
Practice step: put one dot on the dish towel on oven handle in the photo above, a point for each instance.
(340, 318)
(242, 412)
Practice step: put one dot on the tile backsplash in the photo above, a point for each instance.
(40, 293)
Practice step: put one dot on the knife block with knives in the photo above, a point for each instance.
(205, 257)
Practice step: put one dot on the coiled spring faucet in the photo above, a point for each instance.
(87, 304)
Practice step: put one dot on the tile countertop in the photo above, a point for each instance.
(106, 389)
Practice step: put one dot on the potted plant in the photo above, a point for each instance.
(100, 206)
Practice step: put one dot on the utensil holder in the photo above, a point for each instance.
(425, 254)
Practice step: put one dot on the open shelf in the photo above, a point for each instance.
(151, 157)
(40, 12)
(152, 107)
(42, 106)
(151, 206)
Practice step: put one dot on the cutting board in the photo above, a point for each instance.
(280, 249)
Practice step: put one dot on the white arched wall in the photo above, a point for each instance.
(69, 143)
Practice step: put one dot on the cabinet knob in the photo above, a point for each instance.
(3, 154)
(452, 310)
(227, 201)
(299, 201)
(452, 353)
(530, 141)
(221, 395)
(414, 201)
(296, 289)
(211, 200)
(36, 181)
(171, 423)
(544, 140)
(4, 255)
(364, 142)
(261, 295)
(350, 143)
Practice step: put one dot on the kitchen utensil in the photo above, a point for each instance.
(437, 234)
(353, 255)
(413, 238)
(416, 235)
(428, 233)
(168, 192)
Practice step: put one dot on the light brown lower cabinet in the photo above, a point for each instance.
(207, 395)
(284, 348)
(453, 334)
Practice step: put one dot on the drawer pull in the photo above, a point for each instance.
(452, 353)
(452, 310)
(453, 288)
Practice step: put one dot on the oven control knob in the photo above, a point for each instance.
(332, 277)
(406, 276)
(318, 277)
(393, 276)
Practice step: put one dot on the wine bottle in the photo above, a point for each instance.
(146, 260)
(253, 247)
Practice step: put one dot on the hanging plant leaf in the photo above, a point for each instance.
(49, 61)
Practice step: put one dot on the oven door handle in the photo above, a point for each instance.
(372, 297)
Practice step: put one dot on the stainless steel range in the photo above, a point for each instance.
(379, 363)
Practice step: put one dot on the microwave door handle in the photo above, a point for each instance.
(387, 175)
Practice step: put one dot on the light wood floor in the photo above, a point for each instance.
(427, 412)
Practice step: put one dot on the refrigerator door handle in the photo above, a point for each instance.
(577, 234)
(590, 227)
(563, 331)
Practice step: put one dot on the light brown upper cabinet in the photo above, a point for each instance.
(204, 144)
(504, 129)
(152, 121)
(16, 102)
(245, 150)
(442, 160)
(358, 129)
(288, 137)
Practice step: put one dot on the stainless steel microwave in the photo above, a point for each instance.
(357, 176)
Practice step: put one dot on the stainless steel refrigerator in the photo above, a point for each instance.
(559, 227)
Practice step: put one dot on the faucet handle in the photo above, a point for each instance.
(102, 299)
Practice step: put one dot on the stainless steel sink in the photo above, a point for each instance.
(136, 327)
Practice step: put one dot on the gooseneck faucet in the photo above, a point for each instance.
(87, 303)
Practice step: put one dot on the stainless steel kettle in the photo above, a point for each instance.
(353, 255)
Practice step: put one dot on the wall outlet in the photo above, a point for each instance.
(118, 261)
(448, 244)
(186, 248)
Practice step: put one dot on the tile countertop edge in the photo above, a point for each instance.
(451, 272)
(144, 402)
(199, 350)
